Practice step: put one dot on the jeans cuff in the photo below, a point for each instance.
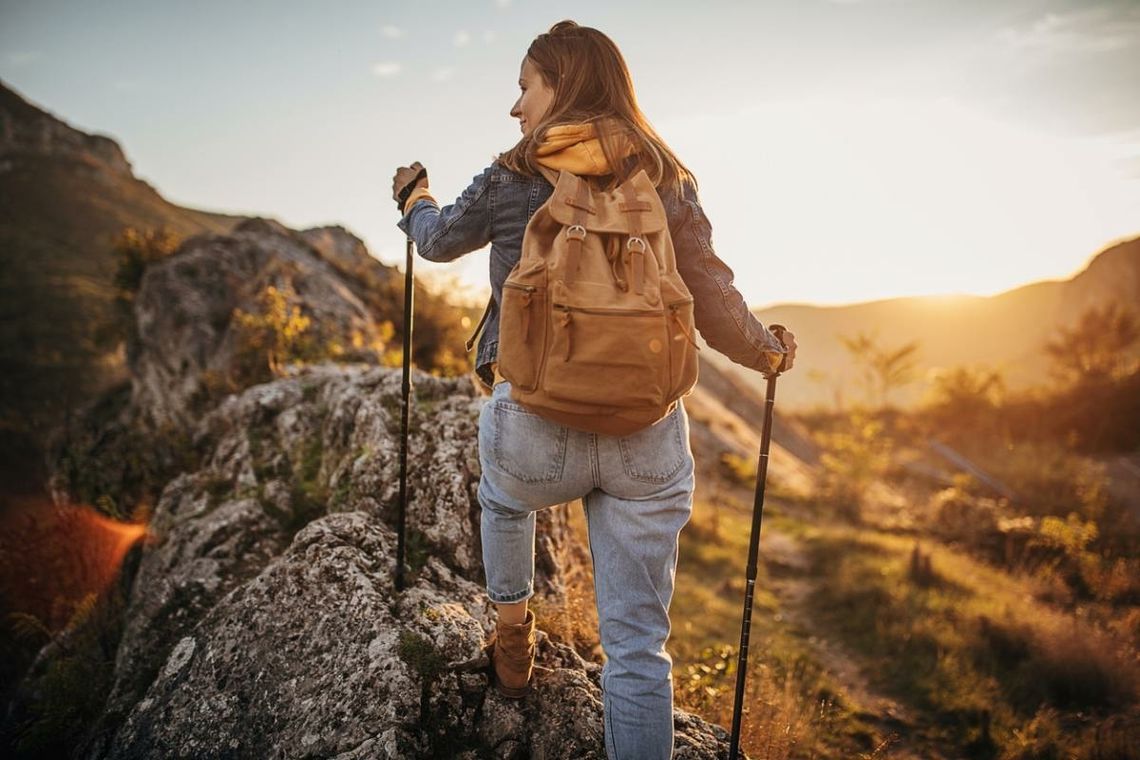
(518, 596)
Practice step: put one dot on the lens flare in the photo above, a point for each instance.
(52, 557)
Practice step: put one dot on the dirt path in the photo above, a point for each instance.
(791, 580)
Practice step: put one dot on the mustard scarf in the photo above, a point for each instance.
(577, 149)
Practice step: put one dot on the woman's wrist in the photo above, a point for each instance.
(418, 194)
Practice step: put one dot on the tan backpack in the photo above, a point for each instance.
(596, 324)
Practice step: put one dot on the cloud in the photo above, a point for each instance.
(489, 36)
(1072, 72)
(443, 74)
(462, 37)
(386, 69)
(392, 32)
(1097, 29)
(502, 3)
(23, 57)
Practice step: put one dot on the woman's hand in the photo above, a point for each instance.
(789, 340)
(403, 176)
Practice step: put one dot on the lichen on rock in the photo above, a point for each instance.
(300, 645)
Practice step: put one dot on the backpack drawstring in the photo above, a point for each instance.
(526, 316)
(617, 263)
(681, 327)
(626, 262)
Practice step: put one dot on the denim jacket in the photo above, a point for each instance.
(495, 209)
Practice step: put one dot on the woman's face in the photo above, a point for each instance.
(535, 99)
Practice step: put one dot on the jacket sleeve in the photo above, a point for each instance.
(719, 311)
(445, 234)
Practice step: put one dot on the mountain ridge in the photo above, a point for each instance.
(1004, 331)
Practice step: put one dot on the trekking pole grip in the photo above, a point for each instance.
(778, 331)
(406, 190)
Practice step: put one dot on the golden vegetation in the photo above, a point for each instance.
(1097, 347)
(1003, 608)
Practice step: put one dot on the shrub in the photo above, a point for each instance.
(72, 683)
(134, 250)
(853, 458)
(738, 469)
(956, 515)
(1061, 662)
(269, 338)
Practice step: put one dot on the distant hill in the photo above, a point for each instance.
(64, 197)
(1003, 331)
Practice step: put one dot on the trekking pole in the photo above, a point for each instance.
(754, 546)
(405, 390)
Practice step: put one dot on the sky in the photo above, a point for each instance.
(846, 150)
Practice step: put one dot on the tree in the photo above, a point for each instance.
(1097, 347)
(882, 369)
(134, 250)
(854, 458)
(963, 386)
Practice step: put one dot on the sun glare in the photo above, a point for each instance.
(865, 199)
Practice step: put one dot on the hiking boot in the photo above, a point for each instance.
(511, 649)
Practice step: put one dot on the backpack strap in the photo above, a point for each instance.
(550, 174)
(576, 232)
(635, 246)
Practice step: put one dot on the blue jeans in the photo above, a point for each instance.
(637, 493)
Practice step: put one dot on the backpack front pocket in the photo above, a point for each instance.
(607, 357)
(522, 328)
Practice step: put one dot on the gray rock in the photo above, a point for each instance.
(257, 631)
(185, 307)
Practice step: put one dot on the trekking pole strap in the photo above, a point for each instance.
(470, 343)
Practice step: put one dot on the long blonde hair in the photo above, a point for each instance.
(591, 83)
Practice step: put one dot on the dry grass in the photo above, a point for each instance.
(973, 645)
(778, 722)
(1052, 735)
(788, 710)
(781, 720)
(1081, 667)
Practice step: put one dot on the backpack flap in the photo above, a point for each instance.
(627, 230)
(606, 214)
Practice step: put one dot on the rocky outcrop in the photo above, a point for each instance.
(264, 621)
(262, 618)
(186, 304)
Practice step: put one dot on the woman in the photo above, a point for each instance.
(577, 111)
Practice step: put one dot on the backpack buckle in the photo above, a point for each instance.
(635, 239)
(576, 232)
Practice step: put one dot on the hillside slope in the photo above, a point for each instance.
(64, 197)
(1005, 331)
